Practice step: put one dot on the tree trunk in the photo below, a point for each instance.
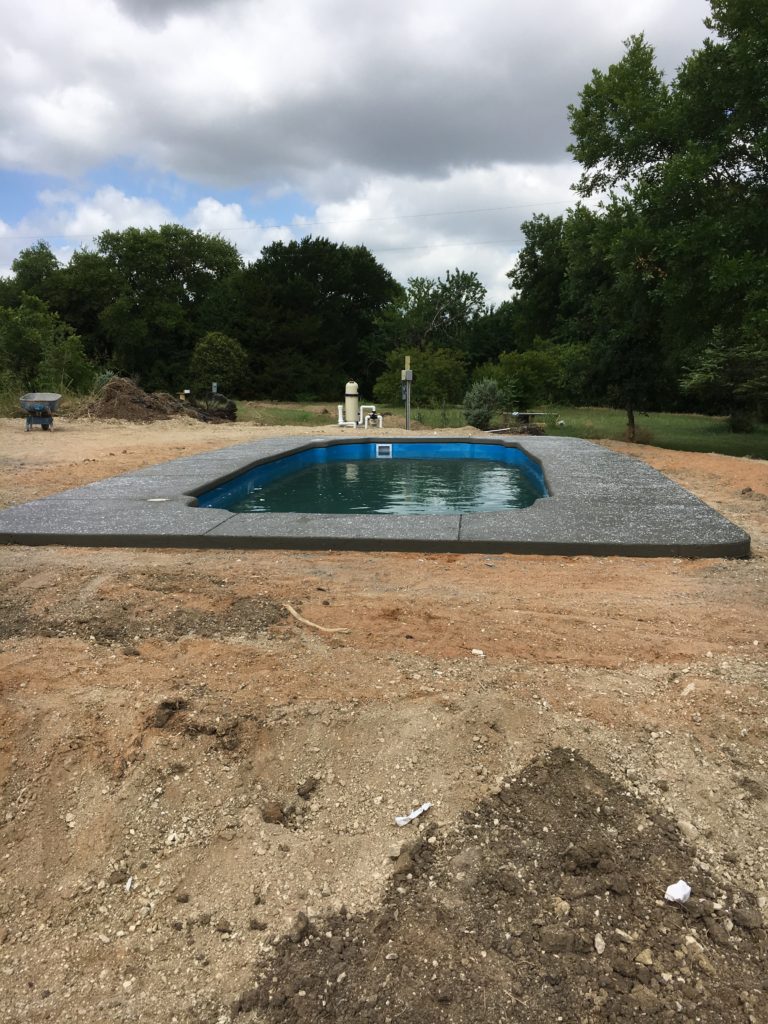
(630, 423)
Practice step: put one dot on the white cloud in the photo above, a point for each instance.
(239, 92)
(228, 220)
(111, 209)
(69, 220)
(375, 113)
(469, 219)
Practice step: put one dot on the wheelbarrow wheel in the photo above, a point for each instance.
(45, 426)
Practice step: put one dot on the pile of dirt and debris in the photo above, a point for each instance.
(546, 902)
(122, 399)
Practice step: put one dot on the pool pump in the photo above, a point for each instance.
(352, 414)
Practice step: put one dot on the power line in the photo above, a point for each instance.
(411, 216)
(330, 223)
(446, 245)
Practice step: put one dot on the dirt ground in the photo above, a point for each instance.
(198, 792)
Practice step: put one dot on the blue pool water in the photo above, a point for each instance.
(404, 478)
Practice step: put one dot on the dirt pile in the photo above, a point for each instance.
(545, 902)
(122, 399)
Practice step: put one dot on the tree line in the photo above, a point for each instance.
(650, 293)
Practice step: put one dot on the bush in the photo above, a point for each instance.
(541, 374)
(11, 390)
(64, 365)
(742, 422)
(102, 378)
(217, 357)
(481, 402)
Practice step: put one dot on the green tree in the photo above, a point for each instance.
(34, 270)
(537, 280)
(731, 375)
(622, 125)
(432, 313)
(667, 273)
(494, 332)
(24, 331)
(304, 312)
(218, 358)
(40, 351)
(164, 276)
(439, 377)
(543, 374)
(64, 365)
(82, 293)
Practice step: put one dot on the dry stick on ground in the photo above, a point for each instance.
(314, 625)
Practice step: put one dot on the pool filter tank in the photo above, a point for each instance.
(351, 401)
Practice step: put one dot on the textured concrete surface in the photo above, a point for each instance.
(599, 503)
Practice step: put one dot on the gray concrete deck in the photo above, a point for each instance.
(600, 503)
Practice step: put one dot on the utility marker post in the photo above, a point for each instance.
(406, 379)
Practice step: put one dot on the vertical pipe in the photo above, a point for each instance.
(407, 376)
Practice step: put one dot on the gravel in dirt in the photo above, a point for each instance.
(543, 902)
(609, 740)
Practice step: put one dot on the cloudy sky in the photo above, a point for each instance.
(424, 129)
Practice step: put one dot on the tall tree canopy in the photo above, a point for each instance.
(672, 266)
(440, 312)
(164, 275)
(304, 311)
(537, 279)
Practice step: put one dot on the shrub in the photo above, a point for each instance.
(742, 421)
(217, 357)
(481, 402)
(64, 365)
(102, 378)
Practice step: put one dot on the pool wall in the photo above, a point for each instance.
(234, 490)
(599, 503)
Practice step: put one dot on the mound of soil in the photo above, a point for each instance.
(122, 399)
(545, 903)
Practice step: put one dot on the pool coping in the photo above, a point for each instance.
(600, 503)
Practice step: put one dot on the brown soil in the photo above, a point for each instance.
(197, 792)
(122, 399)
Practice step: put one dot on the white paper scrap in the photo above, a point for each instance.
(406, 819)
(678, 893)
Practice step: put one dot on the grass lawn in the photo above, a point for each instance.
(681, 431)
(285, 414)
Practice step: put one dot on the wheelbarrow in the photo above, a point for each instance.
(40, 407)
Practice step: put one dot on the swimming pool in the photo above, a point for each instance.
(393, 478)
(599, 502)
